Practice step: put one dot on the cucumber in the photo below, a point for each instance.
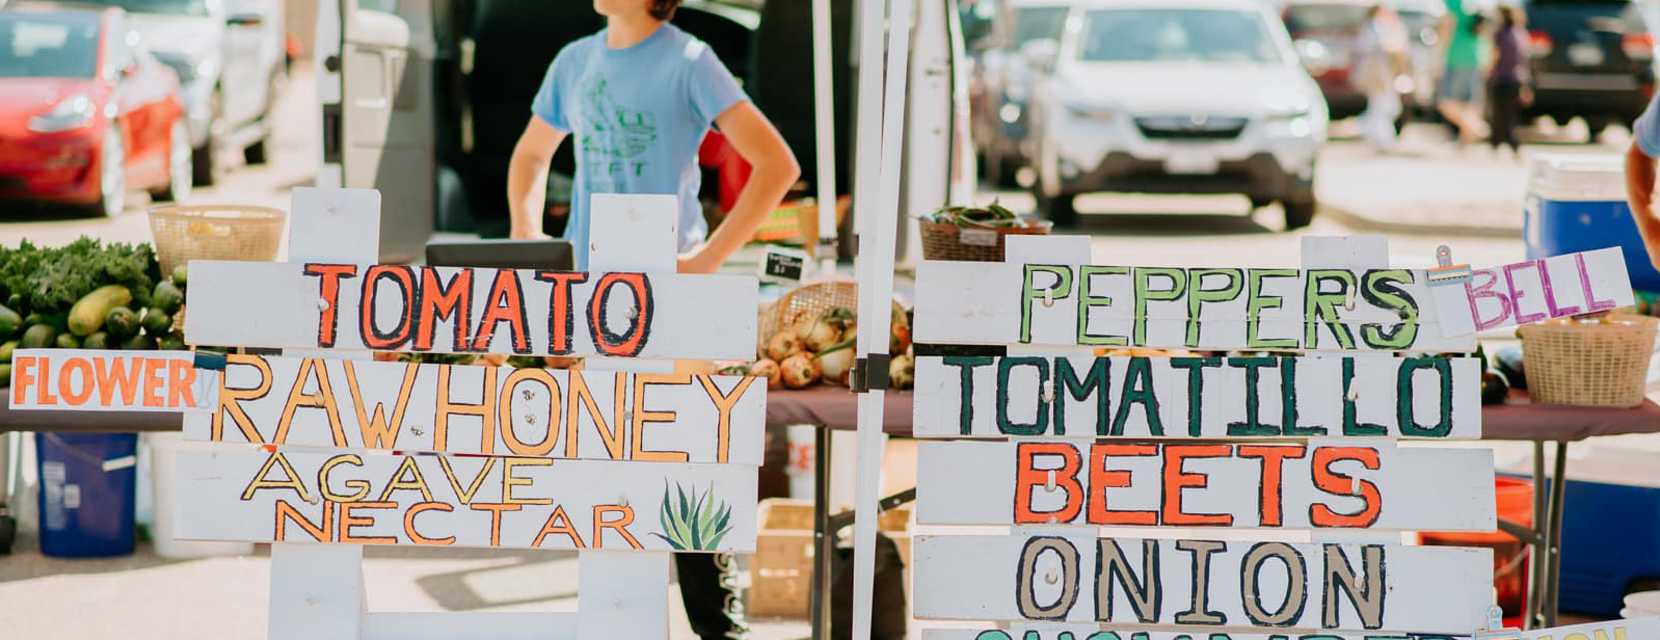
(167, 296)
(171, 342)
(39, 336)
(6, 373)
(179, 273)
(93, 309)
(6, 351)
(139, 342)
(156, 321)
(10, 322)
(15, 300)
(98, 340)
(67, 341)
(121, 323)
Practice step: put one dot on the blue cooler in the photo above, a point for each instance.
(88, 487)
(1577, 203)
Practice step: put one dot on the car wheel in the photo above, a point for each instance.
(112, 178)
(1059, 209)
(203, 165)
(180, 168)
(1594, 128)
(1299, 211)
(254, 153)
(1260, 202)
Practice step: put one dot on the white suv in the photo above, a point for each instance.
(1175, 96)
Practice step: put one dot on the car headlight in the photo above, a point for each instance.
(72, 112)
(1090, 111)
(1291, 124)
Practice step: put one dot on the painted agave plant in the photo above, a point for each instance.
(695, 522)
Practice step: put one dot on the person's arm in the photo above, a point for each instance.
(1639, 193)
(775, 170)
(527, 177)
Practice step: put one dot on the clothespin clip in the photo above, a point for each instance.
(1495, 628)
(1446, 272)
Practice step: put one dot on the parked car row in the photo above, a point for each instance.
(100, 97)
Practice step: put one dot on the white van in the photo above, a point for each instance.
(424, 99)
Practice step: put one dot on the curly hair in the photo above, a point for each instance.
(664, 9)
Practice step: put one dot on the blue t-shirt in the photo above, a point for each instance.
(1646, 130)
(638, 115)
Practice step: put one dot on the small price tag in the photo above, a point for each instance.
(785, 266)
(977, 237)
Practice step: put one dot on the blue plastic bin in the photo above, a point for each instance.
(1608, 545)
(87, 493)
(1577, 203)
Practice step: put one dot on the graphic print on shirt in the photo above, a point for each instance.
(617, 137)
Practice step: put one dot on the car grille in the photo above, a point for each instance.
(1191, 127)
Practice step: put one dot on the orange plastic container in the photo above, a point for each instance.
(1514, 499)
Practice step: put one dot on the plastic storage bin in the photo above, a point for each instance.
(1577, 203)
(1608, 549)
(87, 493)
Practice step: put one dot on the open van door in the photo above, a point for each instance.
(376, 90)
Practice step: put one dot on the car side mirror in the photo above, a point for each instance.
(1041, 54)
(245, 20)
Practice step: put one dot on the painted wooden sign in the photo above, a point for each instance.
(290, 495)
(1082, 632)
(1535, 290)
(1194, 308)
(1367, 395)
(97, 380)
(467, 310)
(1632, 629)
(1200, 584)
(1315, 485)
(610, 415)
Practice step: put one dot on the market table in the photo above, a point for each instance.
(833, 408)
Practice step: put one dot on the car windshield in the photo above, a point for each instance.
(164, 7)
(1036, 23)
(1325, 17)
(36, 45)
(1176, 35)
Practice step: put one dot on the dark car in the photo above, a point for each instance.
(1593, 59)
(1325, 32)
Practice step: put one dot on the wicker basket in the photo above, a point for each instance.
(1590, 364)
(945, 241)
(781, 575)
(806, 301)
(215, 232)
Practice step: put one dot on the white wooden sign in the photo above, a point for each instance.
(1632, 629)
(465, 501)
(1366, 395)
(97, 380)
(1315, 485)
(1535, 290)
(1218, 308)
(1200, 584)
(610, 415)
(465, 310)
(1093, 632)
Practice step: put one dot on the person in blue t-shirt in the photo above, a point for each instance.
(640, 95)
(1639, 178)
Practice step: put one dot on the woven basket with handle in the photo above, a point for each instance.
(806, 301)
(1595, 363)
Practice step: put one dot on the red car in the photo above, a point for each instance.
(85, 112)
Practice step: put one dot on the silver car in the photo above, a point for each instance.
(229, 55)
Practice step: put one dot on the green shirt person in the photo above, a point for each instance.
(1461, 82)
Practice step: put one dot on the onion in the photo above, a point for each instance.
(799, 371)
(902, 371)
(765, 368)
(835, 362)
(561, 362)
(783, 345)
(493, 359)
(899, 338)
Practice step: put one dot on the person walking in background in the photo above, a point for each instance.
(1508, 91)
(1380, 51)
(1461, 77)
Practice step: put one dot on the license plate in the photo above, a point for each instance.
(1191, 164)
(1584, 54)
